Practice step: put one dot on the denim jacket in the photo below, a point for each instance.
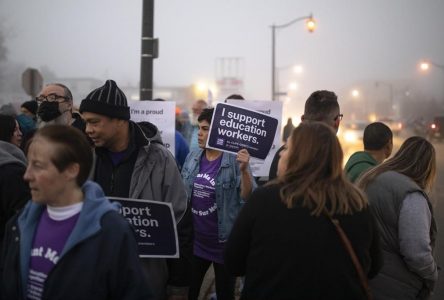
(228, 186)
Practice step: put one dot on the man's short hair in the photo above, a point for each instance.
(206, 115)
(376, 136)
(71, 146)
(321, 106)
(235, 97)
(66, 90)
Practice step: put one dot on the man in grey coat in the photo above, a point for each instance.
(132, 162)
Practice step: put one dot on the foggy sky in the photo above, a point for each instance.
(354, 41)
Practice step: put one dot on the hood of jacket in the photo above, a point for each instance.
(10, 153)
(358, 158)
(145, 133)
(95, 205)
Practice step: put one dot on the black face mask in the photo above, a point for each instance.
(48, 111)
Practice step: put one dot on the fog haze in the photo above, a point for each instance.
(356, 42)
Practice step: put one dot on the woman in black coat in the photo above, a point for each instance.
(14, 191)
(283, 241)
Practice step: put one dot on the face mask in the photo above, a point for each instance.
(48, 111)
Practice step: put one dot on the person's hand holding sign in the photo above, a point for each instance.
(243, 157)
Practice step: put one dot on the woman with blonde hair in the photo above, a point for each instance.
(397, 191)
(284, 241)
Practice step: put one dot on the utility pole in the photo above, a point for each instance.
(149, 51)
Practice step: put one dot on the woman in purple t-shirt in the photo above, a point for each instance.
(217, 184)
(69, 242)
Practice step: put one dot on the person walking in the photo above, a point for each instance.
(10, 130)
(69, 242)
(132, 162)
(217, 183)
(196, 109)
(55, 106)
(14, 191)
(284, 240)
(378, 145)
(320, 106)
(29, 108)
(288, 128)
(398, 191)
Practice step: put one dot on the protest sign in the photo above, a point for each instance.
(160, 113)
(234, 128)
(273, 109)
(154, 224)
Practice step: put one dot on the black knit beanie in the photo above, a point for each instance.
(107, 100)
(30, 105)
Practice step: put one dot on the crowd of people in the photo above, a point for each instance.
(315, 230)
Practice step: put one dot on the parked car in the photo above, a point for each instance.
(436, 129)
(420, 127)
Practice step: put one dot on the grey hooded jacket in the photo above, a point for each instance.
(154, 176)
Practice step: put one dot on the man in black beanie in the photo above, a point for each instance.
(132, 162)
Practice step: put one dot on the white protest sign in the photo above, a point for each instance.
(160, 113)
(259, 167)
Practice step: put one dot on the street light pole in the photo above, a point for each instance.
(310, 25)
(425, 66)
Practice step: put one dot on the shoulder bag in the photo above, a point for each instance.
(348, 246)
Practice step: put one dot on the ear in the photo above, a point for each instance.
(388, 148)
(72, 171)
(336, 124)
(120, 123)
(302, 118)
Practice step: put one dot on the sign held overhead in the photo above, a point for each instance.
(234, 128)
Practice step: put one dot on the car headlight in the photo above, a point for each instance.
(350, 136)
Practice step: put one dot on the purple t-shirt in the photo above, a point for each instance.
(49, 240)
(117, 157)
(204, 209)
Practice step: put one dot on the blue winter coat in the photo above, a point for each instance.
(99, 260)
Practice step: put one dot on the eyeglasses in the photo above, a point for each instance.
(51, 98)
(339, 116)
